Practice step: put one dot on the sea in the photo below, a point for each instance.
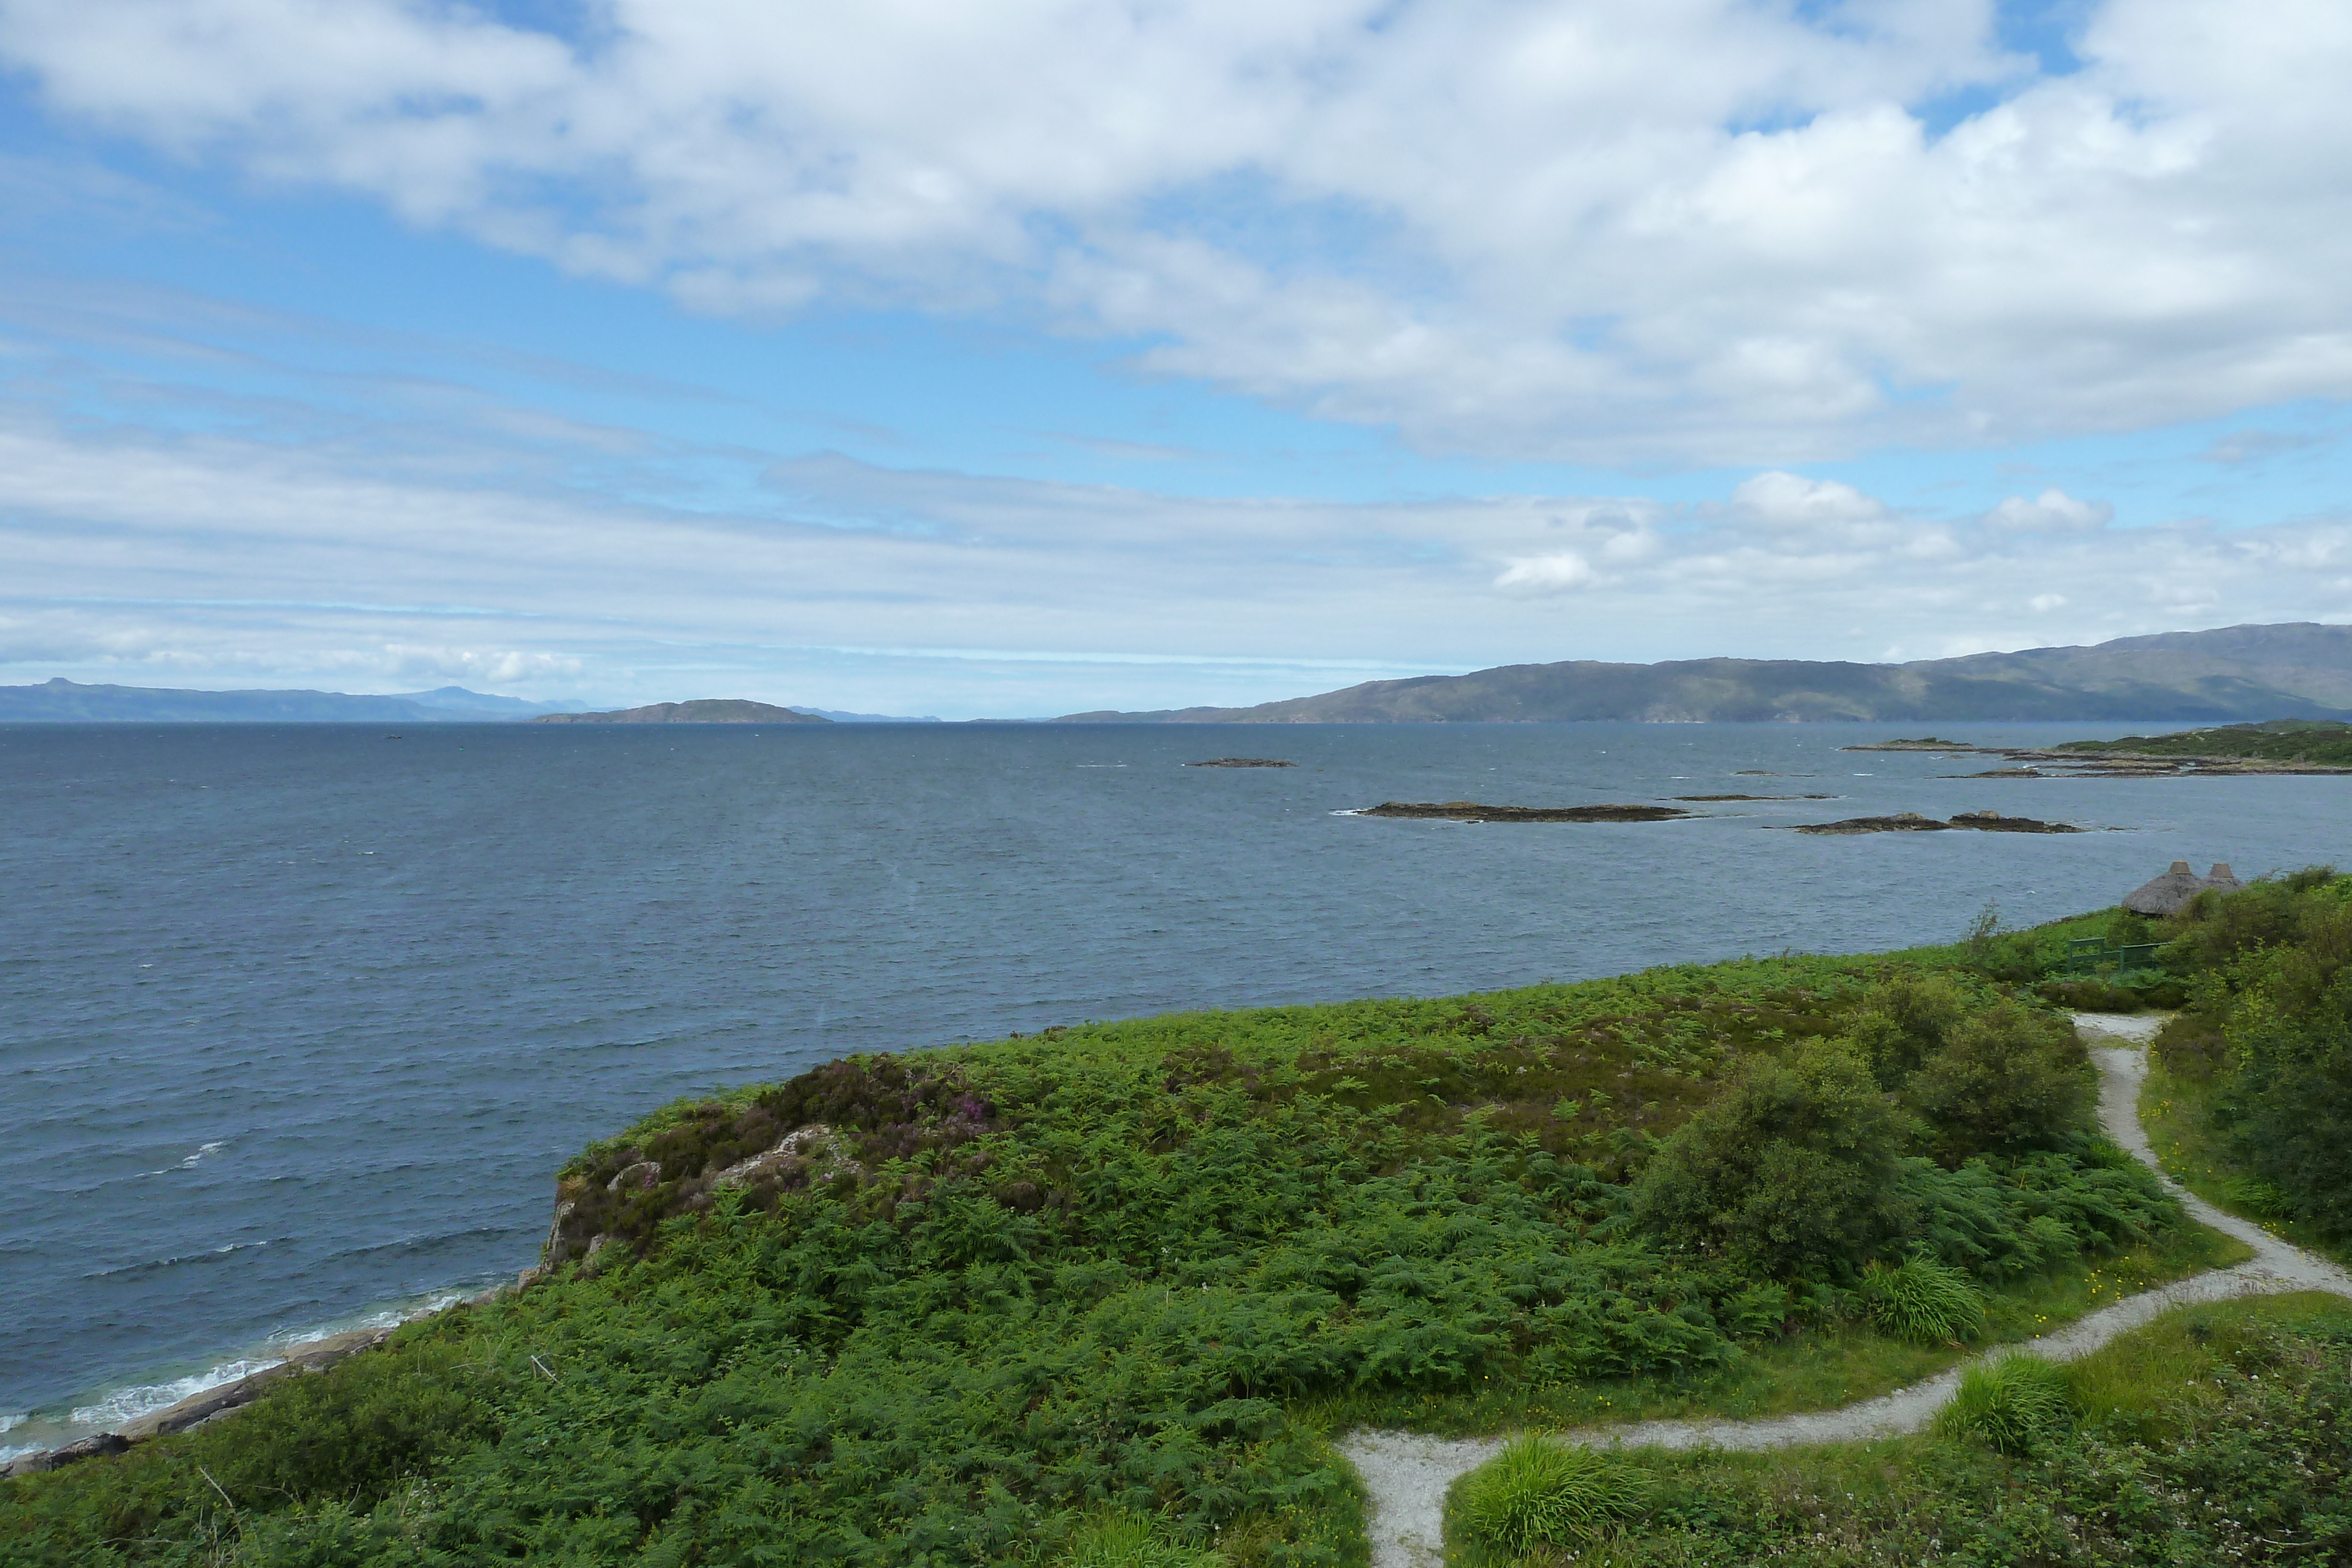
(296, 1023)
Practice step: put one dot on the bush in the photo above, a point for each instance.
(1923, 1300)
(1538, 1492)
(1791, 1169)
(1904, 1022)
(2014, 1405)
(2190, 1046)
(2091, 996)
(2008, 1079)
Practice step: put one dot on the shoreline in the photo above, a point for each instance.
(135, 1411)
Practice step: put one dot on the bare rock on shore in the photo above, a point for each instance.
(91, 1448)
(1471, 811)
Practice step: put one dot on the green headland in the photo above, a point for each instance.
(1111, 1294)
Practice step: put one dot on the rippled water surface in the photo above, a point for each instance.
(300, 1022)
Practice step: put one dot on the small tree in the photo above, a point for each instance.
(1902, 1022)
(1791, 1170)
(2006, 1079)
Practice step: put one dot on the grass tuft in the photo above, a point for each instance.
(1924, 1301)
(1538, 1492)
(1120, 1540)
(2014, 1405)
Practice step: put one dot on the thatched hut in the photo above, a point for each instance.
(2176, 887)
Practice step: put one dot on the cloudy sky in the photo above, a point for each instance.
(1037, 355)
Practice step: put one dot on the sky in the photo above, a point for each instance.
(1051, 355)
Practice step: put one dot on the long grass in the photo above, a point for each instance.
(2015, 1405)
(1539, 1492)
(1924, 1301)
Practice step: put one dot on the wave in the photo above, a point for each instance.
(190, 1161)
(153, 1264)
(120, 1405)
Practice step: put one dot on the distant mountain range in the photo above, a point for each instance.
(68, 702)
(2301, 670)
(703, 710)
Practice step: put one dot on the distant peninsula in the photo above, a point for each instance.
(704, 710)
(61, 701)
(2301, 670)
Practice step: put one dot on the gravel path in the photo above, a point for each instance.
(1407, 1476)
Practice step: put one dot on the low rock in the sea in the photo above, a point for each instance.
(1994, 823)
(1913, 822)
(1471, 811)
(1241, 762)
(1755, 797)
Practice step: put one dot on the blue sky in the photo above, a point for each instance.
(1059, 355)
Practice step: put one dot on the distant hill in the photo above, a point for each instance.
(838, 716)
(2301, 670)
(705, 710)
(68, 702)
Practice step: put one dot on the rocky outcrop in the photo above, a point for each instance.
(1913, 822)
(1471, 811)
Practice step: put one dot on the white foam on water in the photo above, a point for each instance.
(122, 1405)
(190, 1161)
(107, 1408)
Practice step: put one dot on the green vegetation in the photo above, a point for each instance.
(2251, 1101)
(1102, 1295)
(1923, 1300)
(2016, 1406)
(1538, 1492)
(2218, 1434)
(2319, 741)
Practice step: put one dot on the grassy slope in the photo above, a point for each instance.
(2214, 1435)
(1125, 1264)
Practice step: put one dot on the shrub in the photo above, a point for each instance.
(1791, 1169)
(1923, 1300)
(2091, 996)
(2190, 1046)
(1904, 1022)
(2007, 1080)
(2014, 1405)
(1538, 1492)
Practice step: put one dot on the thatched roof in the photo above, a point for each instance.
(2176, 887)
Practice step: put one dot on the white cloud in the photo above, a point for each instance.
(1707, 230)
(2051, 512)
(1790, 501)
(1545, 574)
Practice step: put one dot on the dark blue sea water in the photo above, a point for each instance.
(296, 1023)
